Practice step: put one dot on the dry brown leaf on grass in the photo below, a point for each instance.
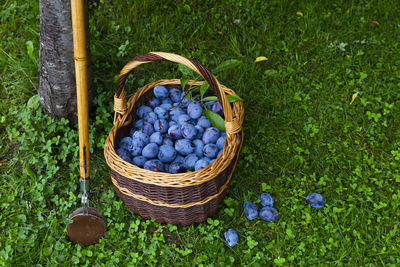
(374, 23)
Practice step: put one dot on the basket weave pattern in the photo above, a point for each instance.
(182, 198)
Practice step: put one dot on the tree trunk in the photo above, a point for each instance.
(57, 89)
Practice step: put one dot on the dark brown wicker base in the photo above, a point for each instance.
(183, 216)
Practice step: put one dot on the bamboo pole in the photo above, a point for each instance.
(78, 26)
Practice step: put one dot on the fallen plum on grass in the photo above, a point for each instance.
(231, 237)
(315, 200)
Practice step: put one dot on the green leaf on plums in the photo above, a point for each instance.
(227, 64)
(203, 89)
(216, 120)
(210, 98)
(231, 98)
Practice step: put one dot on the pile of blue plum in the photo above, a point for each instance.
(171, 134)
(267, 212)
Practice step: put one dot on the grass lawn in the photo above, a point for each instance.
(322, 114)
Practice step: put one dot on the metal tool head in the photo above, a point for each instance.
(88, 226)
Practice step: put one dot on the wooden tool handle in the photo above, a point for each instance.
(78, 27)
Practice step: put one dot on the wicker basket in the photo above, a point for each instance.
(182, 198)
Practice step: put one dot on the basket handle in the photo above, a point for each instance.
(232, 126)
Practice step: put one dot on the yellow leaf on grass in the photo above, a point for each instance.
(298, 13)
(353, 97)
(258, 59)
(374, 23)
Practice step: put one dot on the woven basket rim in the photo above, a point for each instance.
(174, 180)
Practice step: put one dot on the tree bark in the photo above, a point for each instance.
(57, 88)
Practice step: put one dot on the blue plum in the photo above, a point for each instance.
(175, 113)
(250, 210)
(211, 135)
(217, 108)
(151, 117)
(190, 161)
(209, 104)
(206, 159)
(184, 118)
(184, 102)
(157, 138)
(147, 128)
(201, 163)
(167, 140)
(188, 131)
(184, 147)
(138, 125)
(179, 158)
(199, 147)
(138, 161)
(167, 101)
(161, 125)
(266, 200)
(123, 154)
(231, 237)
(210, 151)
(150, 151)
(175, 131)
(154, 102)
(268, 214)
(203, 122)
(161, 113)
(136, 146)
(125, 142)
(142, 111)
(166, 153)
(194, 110)
(200, 131)
(176, 167)
(171, 122)
(141, 136)
(160, 92)
(175, 95)
(166, 106)
(315, 200)
(220, 142)
(166, 167)
(154, 165)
